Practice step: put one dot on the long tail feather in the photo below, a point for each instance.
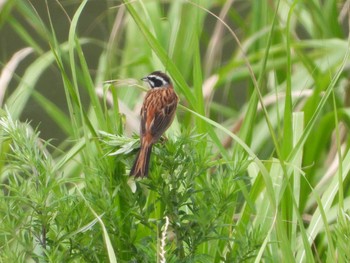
(141, 164)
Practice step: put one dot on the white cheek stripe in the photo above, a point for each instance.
(151, 82)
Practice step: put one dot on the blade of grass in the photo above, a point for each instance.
(324, 205)
(74, 46)
(287, 116)
(340, 171)
(111, 254)
(287, 142)
(8, 70)
(197, 84)
(311, 124)
(18, 99)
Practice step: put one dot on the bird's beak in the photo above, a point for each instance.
(145, 79)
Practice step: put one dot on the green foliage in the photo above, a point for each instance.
(254, 168)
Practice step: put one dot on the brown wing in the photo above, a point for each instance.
(163, 119)
(158, 112)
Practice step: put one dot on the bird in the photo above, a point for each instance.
(157, 113)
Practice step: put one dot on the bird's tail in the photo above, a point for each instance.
(141, 164)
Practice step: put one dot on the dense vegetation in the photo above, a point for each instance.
(254, 168)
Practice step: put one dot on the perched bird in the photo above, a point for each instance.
(157, 114)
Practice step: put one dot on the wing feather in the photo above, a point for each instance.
(158, 112)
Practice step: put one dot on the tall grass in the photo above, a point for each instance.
(254, 167)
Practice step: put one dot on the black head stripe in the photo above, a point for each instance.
(158, 79)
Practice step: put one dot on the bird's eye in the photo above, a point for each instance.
(157, 82)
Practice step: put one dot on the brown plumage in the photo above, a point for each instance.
(157, 114)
